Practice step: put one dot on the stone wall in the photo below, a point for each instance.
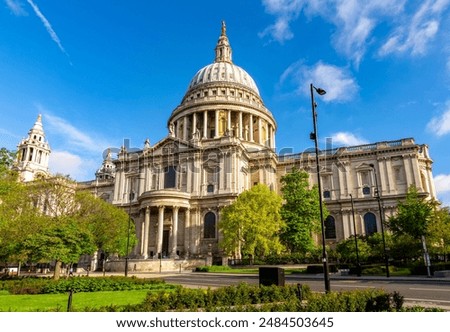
(155, 265)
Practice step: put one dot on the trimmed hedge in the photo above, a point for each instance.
(37, 285)
(221, 299)
(290, 298)
(315, 269)
(421, 269)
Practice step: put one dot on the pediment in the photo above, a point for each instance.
(364, 166)
(170, 145)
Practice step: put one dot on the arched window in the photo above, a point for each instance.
(209, 226)
(370, 223)
(170, 176)
(330, 228)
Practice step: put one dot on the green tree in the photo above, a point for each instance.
(300, 212)
(50, 220)
(413, 215)
(252, 224)
(439, 231)
(7, 159)
(404, 248)
(346, 250)
(62, 241)
(60, 237)
(375, 242)
(107, 223)
(413, 218)
(18, 216)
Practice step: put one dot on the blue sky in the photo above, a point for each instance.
(104, 71)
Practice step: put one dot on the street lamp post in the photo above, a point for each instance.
(386, 258)
(314, 137)
(358, 265)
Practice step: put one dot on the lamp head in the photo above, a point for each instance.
(320, 91)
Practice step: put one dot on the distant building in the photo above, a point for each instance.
(221, 142)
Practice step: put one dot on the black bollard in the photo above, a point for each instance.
(299, 292)
(69, 302)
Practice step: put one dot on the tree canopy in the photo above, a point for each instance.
(413, 216)
(49, 219)
(300, 212)
(252, 224)
(439, 230)
(6, 159)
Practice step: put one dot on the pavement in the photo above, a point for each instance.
(333, 276)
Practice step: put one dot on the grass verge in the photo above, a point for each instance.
(80, 301)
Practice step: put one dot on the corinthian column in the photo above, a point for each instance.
(251, 128)
(205, 124)
(146, 231)
(187, 226)
(175, 210)
(159, 238)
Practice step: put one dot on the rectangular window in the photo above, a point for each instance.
(170, 176)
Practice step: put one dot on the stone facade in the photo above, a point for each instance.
(221, 142)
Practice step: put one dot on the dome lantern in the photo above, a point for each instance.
(223, 48)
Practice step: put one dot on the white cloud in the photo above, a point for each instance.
(16, 7)
(347, 139)
(442, 185)
(74, 151)
(71, 135)
(338, 82)
(413, 25)
(355, 22)
(440, 125)
(67, 163)
(47, 26)
(285, 11)
(417, 31)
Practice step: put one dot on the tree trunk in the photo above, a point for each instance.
(57, 272)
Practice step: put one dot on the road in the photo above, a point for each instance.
(416, 291)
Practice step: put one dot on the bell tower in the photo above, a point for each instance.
(33, 153)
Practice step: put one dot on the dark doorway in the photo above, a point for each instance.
(165, 244)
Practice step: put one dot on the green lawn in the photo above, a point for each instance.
(227, 269)
(58, 302)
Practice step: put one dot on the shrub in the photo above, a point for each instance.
(244, 297)
(315, 269)
(223, 299)
(33, 285)
(354, 301)
(213, 268)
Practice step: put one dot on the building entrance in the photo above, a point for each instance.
(165, 243)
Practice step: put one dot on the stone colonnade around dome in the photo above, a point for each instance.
(210, 124)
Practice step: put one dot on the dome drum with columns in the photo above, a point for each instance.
(221, 142)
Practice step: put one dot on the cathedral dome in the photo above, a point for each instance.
(223, 72)
(222, 100)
